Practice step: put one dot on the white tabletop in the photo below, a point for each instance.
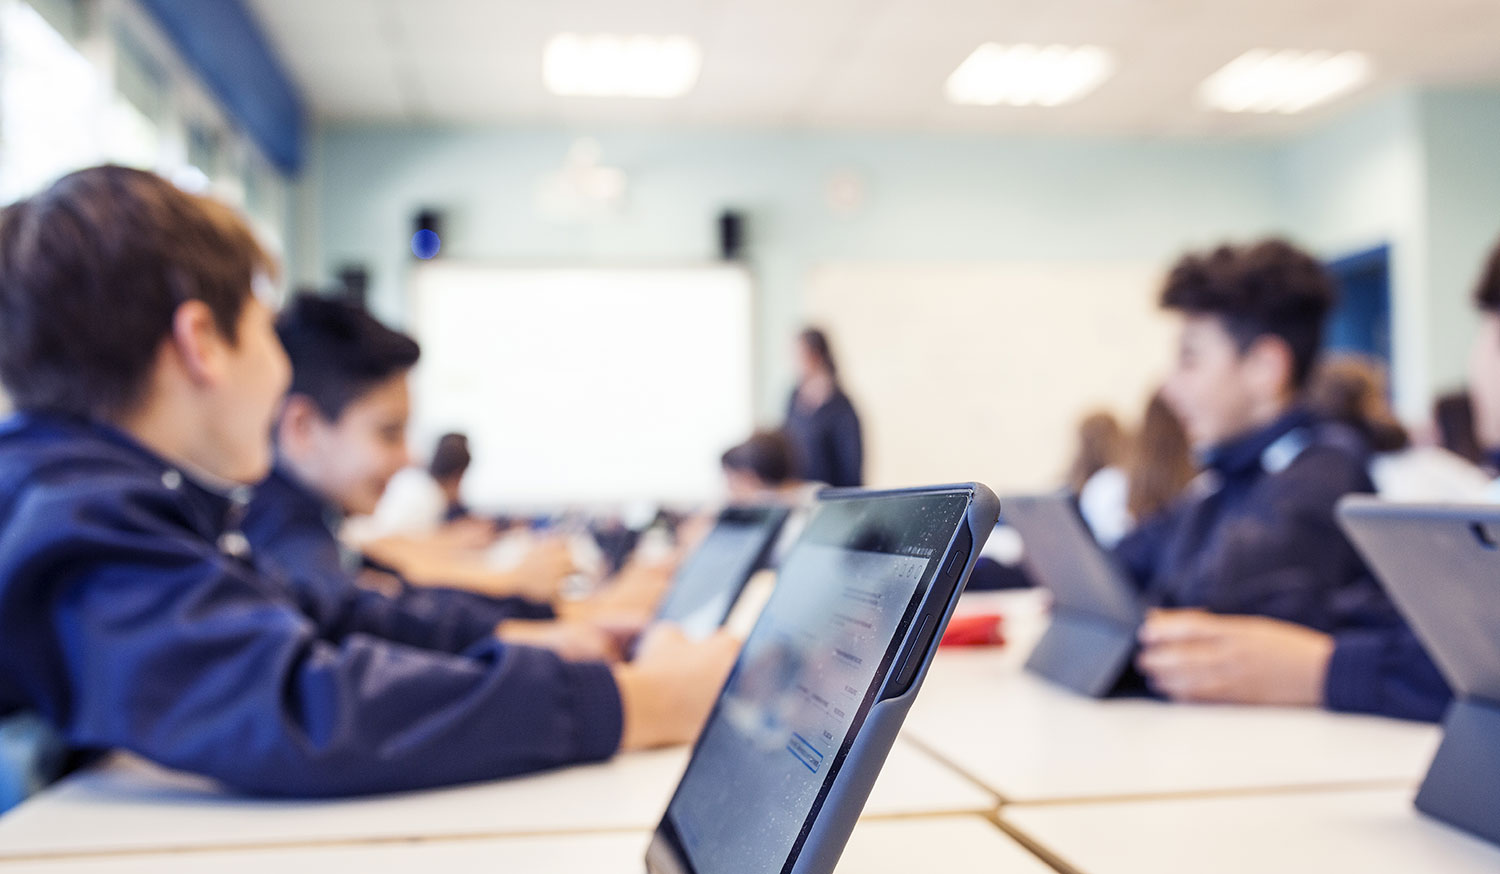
(131, 805)
(1371, 831)
(1029, 740)
(876, 847)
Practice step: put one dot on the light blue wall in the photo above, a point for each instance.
(1461, 139)
(930, 198)
(1356, 182)
(1413, 169)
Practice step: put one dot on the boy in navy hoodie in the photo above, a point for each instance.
(1264, 600)
(147, 376)
(340, 437)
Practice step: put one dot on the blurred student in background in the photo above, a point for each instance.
(1101, 445)
(1302, 621)
(1353, 389)
(821, 424)
(1095, 477)
(759, 471)
(426, 500)
(1453, 419)
(1153, 468)
(148, 378)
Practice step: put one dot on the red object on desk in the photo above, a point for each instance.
(983, 629)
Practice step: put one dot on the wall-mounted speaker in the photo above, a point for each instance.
(731, 235)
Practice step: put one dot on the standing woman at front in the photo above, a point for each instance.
(821, 423)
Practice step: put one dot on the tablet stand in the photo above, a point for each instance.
(1085, 653)
(1463, 785)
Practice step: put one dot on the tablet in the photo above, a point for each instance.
(792, 747)
(705, 588)
(1441, 566)
(1096, 607)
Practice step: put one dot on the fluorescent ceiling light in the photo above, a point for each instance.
(603, 65)
(1028, 75)
(1262, 80)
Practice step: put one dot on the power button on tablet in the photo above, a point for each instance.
(915, 655)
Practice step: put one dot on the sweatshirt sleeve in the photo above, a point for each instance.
(156, 643)
(430, 618)
(1385, 671)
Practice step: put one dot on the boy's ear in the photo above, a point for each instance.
(299, 419)
(198, 344)
(1270, 365)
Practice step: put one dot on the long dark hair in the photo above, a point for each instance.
(816, 341)
(1101, 444)
(1160, 462)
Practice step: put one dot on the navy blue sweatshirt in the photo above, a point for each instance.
(291, 529)
(1258, 535)
(131, 617)
(826, 443)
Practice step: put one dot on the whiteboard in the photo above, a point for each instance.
(583, 385)
(981, 371)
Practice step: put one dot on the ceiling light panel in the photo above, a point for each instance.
(607, 65)
(1288, 81)
(1029, 75)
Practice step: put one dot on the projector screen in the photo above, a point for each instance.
(583, 386)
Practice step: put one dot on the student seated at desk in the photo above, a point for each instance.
(1257, 537)
(1155, 465)
(761, 471)
(148, 375)
(425, 499)
(339, 438)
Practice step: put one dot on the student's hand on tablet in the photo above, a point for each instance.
(574, 641)
(634, 592)
(1192, 655)
(667, 691)
(541, 572)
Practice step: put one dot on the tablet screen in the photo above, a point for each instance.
(705, 589)
(806, 678)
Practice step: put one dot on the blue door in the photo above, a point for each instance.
(1362, 321)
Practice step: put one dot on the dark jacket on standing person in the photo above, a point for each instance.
(827, 446)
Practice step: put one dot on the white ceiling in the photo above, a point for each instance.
(851, 64)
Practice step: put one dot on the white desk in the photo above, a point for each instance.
(1029, 740)
(877, 847)
(1371, 831)
(133, 806)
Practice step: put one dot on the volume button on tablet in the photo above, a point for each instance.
(914, 655)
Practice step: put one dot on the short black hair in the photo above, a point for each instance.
(92, 271)
(1270, 288)
(339, 351)
(767, 455)
(1487, 293)
(451, 458)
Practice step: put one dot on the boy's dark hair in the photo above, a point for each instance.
(451, 457)
(767, 455)
(339, 351)
(1487, 294)
(1270, 288)
(92, 271)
